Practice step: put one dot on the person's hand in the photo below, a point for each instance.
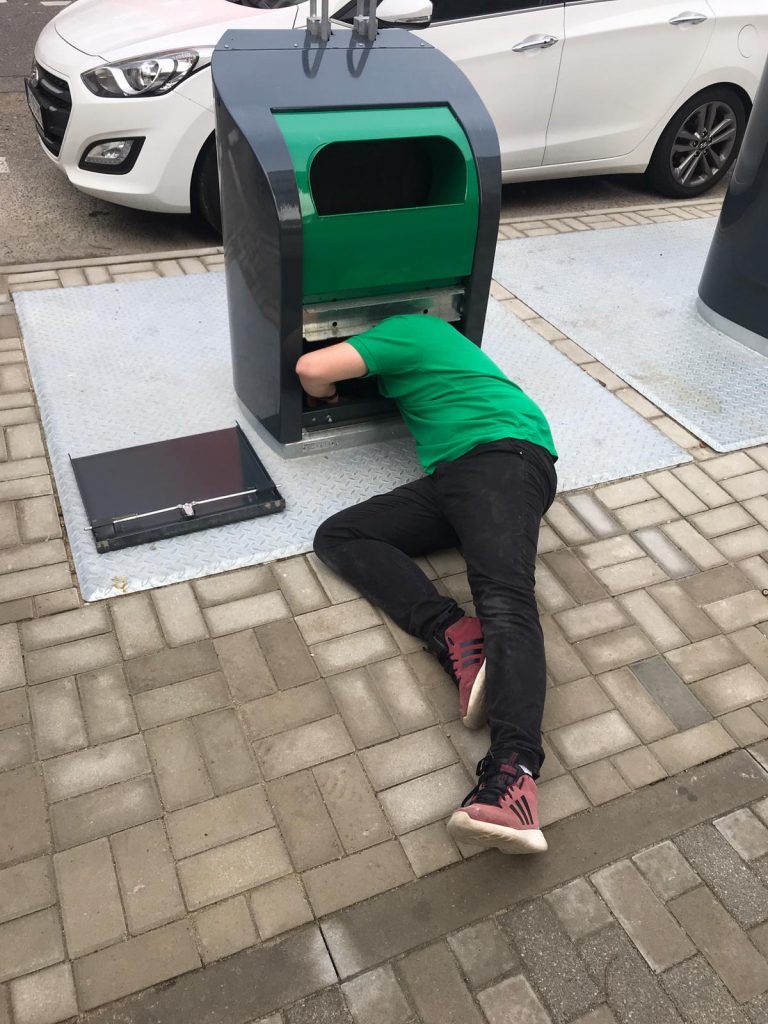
(316, 403)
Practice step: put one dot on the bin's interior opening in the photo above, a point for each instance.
(359, 400)
(387, 174)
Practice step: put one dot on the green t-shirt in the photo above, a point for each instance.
(451, 395)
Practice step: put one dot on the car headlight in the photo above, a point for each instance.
(145, 76)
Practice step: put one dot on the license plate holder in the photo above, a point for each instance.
(34, 106)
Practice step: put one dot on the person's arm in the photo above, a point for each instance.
(318, 371)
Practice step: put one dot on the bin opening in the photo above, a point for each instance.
(387, 174)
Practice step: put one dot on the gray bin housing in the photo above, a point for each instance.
(273, 217)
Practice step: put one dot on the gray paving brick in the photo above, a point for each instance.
(171, 666)
(437, 988)
(57, 717)
(136, 964)
(551, 595)
(632, 991)
(305, 823)
(356, 877)
(676, 493)
(627, 492)
(745, 726)
(25, 888)
(742, 969)
(376, 998)
(323, 1008)
(671, 694)
(745, 832)
(661, 549)
(90, 901)
(228, 756)
(56, 602)
(679, 606)
(593, 738)
(429, 848)
(234, 586)
(363, 711)
(550, 960)
(426, 799)
(180, 617)
(744, 544)
(29, 944)
(23, 819)
(16, 747)
(16, 611)
(35, 581)
(299, 585)
(668, 872)
(702, 486)
(179, 765)
(28, 487)
(287, 656)
(653, 620)
(95, 768)
(644, 918)
(613, 551)
(224, 929)
(594, 514)
(214, 822)
(45, 997)
(106, 704)
(726, 519)
(399, 689)
(337, 620)
(245, 613)
(748, 485)
(689, 540)
(348, 652)
(23, 467)
(645, 514)
(304, 747)
(38, 518)
(691, 747)
(513, 999)
(567, 525)
(136, 625)
(579, 581)
(730, 690)
(700, 996)
(244, 666)
(147, 877)
(335, 587)
(435, 685)
(288, 709)
(563, 662)
(612, 650)
(390, 764)
(592, 619)
(65, 627)
(11, 664)
(601, 1015)
(705, 658)
(350, 800)
(726, 466)
(483, 953)
(9, 527)
(756, 568)
(573, 702)
(71, 658)
(279, 906)
(753, 643)
(227, 870)
(640, 572)
(14, 709)
(560, 798)
(721, 868)
(181, 700)
(103, 812)
(579, 908)
(739, 611)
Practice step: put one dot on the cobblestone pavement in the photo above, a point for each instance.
(197, 775)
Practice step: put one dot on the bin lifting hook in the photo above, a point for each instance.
(364, 25)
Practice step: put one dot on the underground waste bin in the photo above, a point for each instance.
(360, 179)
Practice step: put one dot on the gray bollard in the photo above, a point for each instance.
(733, 292)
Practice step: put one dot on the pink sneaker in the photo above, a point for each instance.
(501, 811)
(466, 651)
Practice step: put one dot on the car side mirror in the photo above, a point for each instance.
(406, 13)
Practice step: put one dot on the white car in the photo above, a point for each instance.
(121, 89)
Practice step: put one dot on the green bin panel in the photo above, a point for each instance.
(389, 199)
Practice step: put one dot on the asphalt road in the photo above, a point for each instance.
(43, 218)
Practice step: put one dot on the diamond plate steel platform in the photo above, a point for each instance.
(126, 364)
(628, 296)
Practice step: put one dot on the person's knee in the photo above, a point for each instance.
(329, 535)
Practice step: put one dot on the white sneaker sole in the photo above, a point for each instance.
(477, 714)
(465, 829)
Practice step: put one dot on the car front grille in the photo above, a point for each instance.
(52, 93)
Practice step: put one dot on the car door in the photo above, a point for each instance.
(625, 66)
(510, 50)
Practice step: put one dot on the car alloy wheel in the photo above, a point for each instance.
(703, 144)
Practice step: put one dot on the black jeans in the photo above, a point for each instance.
(490, 503)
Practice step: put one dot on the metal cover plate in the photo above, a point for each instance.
(628, 296)
(125, 364)
(152, 491)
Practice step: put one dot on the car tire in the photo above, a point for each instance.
(700, 143)
(206, 201)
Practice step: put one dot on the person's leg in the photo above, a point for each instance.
(495, 498)
(372, 546)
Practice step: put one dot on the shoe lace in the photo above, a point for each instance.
(495, 776)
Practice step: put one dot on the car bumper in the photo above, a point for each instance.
(174, 129)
